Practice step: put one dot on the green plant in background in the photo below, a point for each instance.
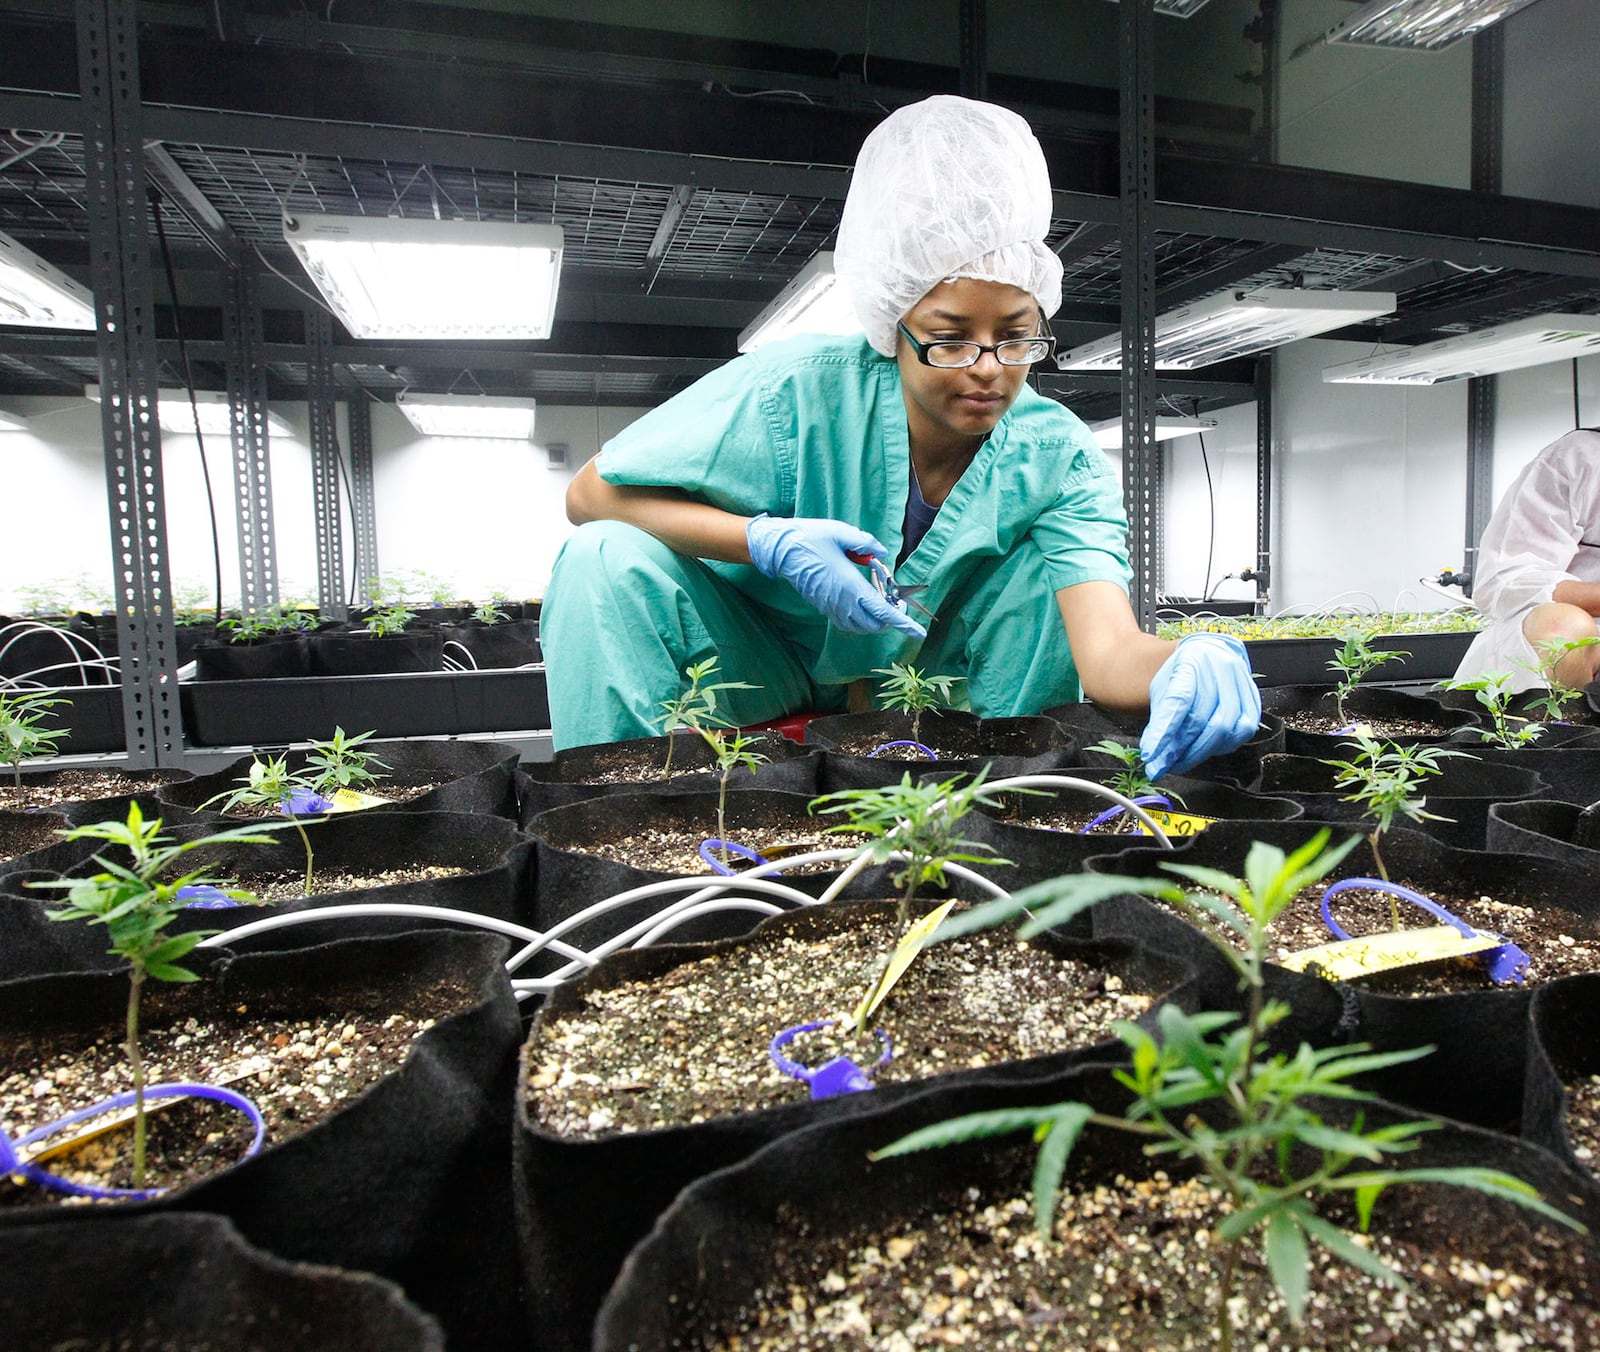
(21, 736)
(1276, 1153)
(339, 763)
(1353, 662)
(389, 620)
(1335, 625)
(917, 821)
(1507, 730)
(264, 623)
(490, 613)
(42, 598)
(1383, 779)
(1558, 696)
(696, 707)
(907, 690)
(269, 786)
(135, 905)
(731, 749)
(441, 592)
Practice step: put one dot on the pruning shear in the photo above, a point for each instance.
(888, 588)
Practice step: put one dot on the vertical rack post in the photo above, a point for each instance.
(1141, 465)
(1263, 568)
(1488, 137)
(363, 503)
(247, 404)
(119, 247)
(322, 399)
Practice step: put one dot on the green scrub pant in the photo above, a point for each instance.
(624, 615)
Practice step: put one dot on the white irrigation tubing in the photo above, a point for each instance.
(1088, 786)
(76, 646)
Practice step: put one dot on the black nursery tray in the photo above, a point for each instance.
(410, 704)
(1304, 661)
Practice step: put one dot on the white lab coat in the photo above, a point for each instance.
(1545, 530)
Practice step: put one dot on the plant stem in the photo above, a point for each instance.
(722, 802)
(136, 1063)
(1224, 1292)
(1377, 858)
(306, 841)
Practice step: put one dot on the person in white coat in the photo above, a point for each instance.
(1537, 577)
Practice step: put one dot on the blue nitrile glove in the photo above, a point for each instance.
(1203, 703)
(809, 554)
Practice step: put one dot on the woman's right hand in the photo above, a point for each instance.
(811, 555)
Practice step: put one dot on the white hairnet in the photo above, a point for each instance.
(947, 187)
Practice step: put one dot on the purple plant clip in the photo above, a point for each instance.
(733, 847)
(838, 1076)
(890, 746)
(1507, 964)
(10, 1164)
(1109, 813)
(304, 803)
(205, 897)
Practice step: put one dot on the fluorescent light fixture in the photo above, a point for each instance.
(12, 422)
(1108, 434)
(468, 415)
(1235, 324)
(1506, 347)
(1426, 25)
(216, 414)
(814, 302)
(391, 278)
(1179, 9)
(36, 295)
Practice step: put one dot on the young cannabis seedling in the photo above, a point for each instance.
(271, 786)
(1353, 662)
(1131, 781)
(135, 904)
(21, 737)
(1558, 695)
(490, 613)
(907, 690)
(389, 620)
(696, 707)
(917, 821)
(732, 749)
(264, 624)
(1211, 1093)
(1491, 692)
(1383, 779)
(339, 763)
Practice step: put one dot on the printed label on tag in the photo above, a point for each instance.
(1175, 823)
(349, 800)
(1387, 951)
(904, 954)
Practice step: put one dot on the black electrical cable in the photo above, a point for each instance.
(1211, 505)
(194, 409)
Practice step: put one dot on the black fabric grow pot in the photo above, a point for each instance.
(569, 877)
(1460, 794)
(376, 654)
(754, 1226)
(467, 777)
(191, 1281)
(1475, 1072)
(1088, 724)
(573, 775)
(1546, 827)
(1563, 1047)
(408, 1180)
(28, 836)
(31, 944)
(582, 1204)
(1006, 746)
(1036, 853)
(1571, 772)
(151, 785)
(265, 658)
(512, 643)
(1362, 703)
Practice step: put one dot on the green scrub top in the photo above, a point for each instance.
(816, 427)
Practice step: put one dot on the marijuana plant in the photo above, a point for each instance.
(1491, 692)
(1353, 661)
(1558, 695)
(1131, 781)
(1257, 1158)
(263, 624)
(389, 620)
(136, 903)
(732, 749)
(907, 690)
(21, 736)
(340, 764)
(490, 613)
(695, 707)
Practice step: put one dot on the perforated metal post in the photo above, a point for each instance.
(1141, 465)
(252, 472)
(1263, 568)
(119, 234)
(322, 398)
(363, 504)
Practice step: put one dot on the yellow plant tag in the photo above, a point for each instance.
(1175, 823)
(349, 800)
(903, 956)
(1387, 951)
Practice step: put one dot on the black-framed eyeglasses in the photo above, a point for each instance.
(953, 353)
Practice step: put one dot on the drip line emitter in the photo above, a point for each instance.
(1507, 963)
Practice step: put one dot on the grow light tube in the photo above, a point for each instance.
(1236, 324)
(216, 413)
(37, 295)
(468, 415)
(1422, 25)
(391, 278)
(1108, 434)
(814, 302)
(1179, 9)
(1505, 347)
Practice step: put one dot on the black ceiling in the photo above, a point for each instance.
(692, 177)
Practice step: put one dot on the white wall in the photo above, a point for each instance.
(479, 514)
